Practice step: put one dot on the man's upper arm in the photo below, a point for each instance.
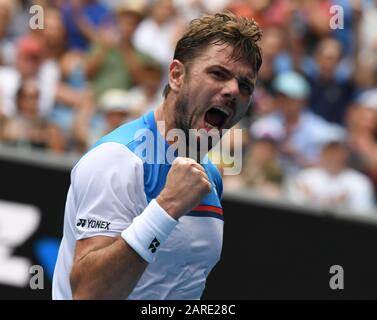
(87, 245)
(108, 190)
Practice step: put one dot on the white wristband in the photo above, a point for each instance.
(149, 230)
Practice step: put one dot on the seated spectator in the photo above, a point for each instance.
(272, 45)
(157, 34)
(251, 9)
(114, 63)
(19, 23)
(192, 9)
(53, 34)
(265, 12)
(362, 134)
(150, 89)
(331, 92)
(333, 184)
(364, 75)
(68, 68)
(6, 45)
(115, 108)
(53, 37)
(367, 38)
(26, 129)
(31, 62)
(261, 169)
(302, 132)
(82, 20)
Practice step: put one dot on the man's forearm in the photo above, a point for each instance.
(110, 272)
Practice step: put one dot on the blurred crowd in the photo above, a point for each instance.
(310, 136)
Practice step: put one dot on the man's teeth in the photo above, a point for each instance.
(210, 126)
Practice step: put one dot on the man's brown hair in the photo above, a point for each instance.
(221, 28)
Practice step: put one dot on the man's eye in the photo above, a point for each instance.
(246, 89)
(218, 74)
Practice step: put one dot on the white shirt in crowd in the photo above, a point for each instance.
(347, 190)
(47, 79)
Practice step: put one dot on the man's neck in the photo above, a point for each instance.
(165, 113)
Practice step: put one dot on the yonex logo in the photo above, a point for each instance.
(81, 223)
(93, 224)
(154, 244)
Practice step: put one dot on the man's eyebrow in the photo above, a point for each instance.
(222, 68)
(246, 79)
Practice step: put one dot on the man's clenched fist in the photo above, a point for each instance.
(186, 185)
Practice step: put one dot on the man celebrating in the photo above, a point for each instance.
(138, 229)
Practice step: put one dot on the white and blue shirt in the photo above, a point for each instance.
(111, 185)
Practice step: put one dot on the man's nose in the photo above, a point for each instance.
(231, 89)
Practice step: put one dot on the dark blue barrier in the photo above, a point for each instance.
(270, 251)
(276, 252)
(44, 188)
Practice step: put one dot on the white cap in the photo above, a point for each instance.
(120, 100)
(368, 99)
(291, 84)
(267, 130)
(135, 6)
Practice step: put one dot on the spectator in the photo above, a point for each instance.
(333, 184)
(191, 9)
(261, 170)
(158, 33)
(367, 35)
(303, 133)
(53, 37)
(82, 20)
(316, 15)
(29, 59)
(272, 45)
(67, 68)
(54, 34)
(365, 75)
(26, 129)
(330, 95)
(252, 9)
(31, 62)
(6, 45)
(114, 63)
(149, 90)
(18, 25)
(362, 134)
(115, 108)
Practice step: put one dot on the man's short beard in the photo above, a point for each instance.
(184, 121)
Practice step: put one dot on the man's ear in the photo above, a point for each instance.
(176, 75)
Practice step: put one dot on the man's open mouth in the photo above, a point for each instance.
(216, 117)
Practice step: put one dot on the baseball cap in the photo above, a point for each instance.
(368, 99)
(118, 100)
(267, 131)
(291, 84)
(138, 7)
